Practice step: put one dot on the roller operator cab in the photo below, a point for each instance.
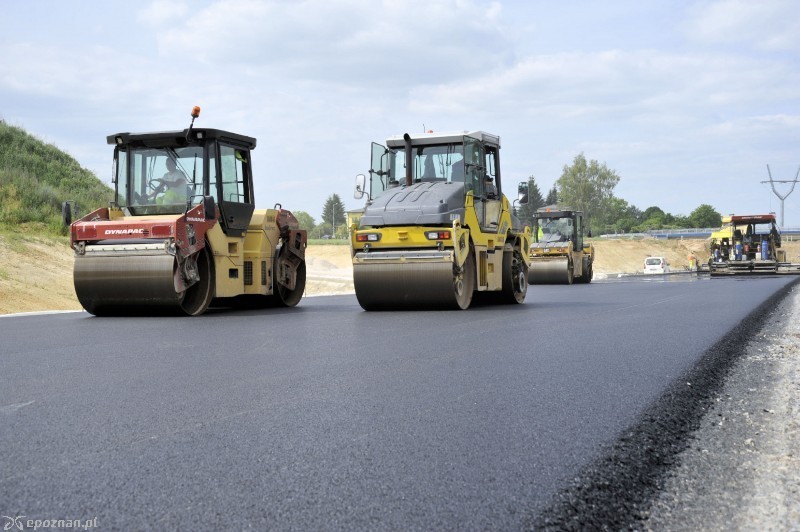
(183, 232)
(437, 231)
(560, 254)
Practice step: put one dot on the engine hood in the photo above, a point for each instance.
(419, 204)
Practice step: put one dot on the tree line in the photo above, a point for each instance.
(588, 186)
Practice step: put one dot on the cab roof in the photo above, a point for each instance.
(554, 211)
(753, 219)
(178, 138)
(453, 137)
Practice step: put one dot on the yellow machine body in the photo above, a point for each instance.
(559, 253)
(478, 248)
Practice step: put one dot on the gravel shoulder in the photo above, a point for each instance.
(742, 469)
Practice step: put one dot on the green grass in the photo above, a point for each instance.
(36, 178)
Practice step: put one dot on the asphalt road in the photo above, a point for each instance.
(328, 417)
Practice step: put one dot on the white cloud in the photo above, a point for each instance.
(162, 12)
(316, 82)
(773, 25)
(357, 42)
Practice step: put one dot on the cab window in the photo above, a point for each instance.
(234, 167)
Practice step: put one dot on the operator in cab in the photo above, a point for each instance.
(176, 183)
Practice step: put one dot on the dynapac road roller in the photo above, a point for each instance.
(437, 230)
(183, 231)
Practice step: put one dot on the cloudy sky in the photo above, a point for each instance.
(687, 101)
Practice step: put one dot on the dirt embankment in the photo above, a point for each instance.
(36, 272)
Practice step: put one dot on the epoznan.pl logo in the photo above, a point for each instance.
(20, 523)
(15, 522)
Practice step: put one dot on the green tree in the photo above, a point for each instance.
(333, 212)
(552, 196)
(306, 220)
(535, 200)
(587, 186)
(619, 216)
(705, 216)
(320, 230)
(651, 212)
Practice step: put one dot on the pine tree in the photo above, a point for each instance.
(552, 196)
(334, 212)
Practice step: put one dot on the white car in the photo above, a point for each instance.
(656, 265)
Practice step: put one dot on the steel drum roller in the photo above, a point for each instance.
(392, 281)
(553, 271)
(104, 281)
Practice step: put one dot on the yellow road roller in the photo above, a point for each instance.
(437, 231)
(559, 253)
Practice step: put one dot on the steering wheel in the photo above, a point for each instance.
(156, 185)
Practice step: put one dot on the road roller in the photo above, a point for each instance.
(182, 233)
(436, 231)
(559, 254)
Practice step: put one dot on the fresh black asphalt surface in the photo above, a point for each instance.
(328, 417)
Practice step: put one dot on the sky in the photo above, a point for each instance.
(688, 101)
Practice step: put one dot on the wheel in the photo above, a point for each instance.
(515, 278)
(287, 297)
(515, 282)
(570, 273)
(464, 282)
(197, 297)
(588, 273)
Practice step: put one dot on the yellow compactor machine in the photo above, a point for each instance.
(183, 232)
(559, 253)
(437, 231)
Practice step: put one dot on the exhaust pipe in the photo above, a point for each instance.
(409, 160)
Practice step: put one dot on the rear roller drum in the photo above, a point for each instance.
(515, 282)
(197, 297)
(464, 283)
(290, 297)
(515, 277)
(586, 278)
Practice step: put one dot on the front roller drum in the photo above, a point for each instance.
(552, 271)
(385, 285)
(125, 284)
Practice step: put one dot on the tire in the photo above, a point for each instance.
(515, 282)
(285, 296)
(515, 278)
(198, 297)
(464, 282)
(588, 273)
